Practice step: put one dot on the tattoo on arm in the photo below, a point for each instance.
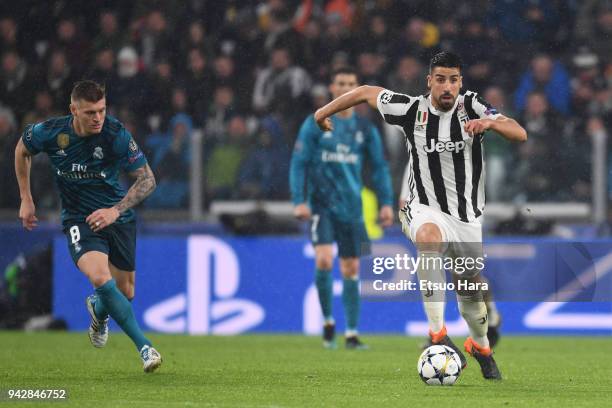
(142, 187)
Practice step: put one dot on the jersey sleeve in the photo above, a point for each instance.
(34, 138)
(394, 106)
(128, 151)
(302, 154)
(381, 177)
(483, 109)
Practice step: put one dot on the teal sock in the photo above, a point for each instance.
(350, 300)
(99, 309)
(325, 286)
(120, 309)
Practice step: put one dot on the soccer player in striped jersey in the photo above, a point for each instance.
(326, 185)
(444, 136)
(87, 150)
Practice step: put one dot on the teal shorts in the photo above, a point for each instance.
(352, 237)
(118, 241)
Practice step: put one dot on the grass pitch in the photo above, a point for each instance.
(279, 371)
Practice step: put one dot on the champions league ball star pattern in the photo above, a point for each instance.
(439, 365)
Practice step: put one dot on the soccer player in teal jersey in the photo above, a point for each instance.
(87, 150)
(326, 185)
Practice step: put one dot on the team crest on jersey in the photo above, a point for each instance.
(98, 153)
(421, 121)
(133, 146)
(63, 140)
(385, 98)
(359, 137)
(462, 114)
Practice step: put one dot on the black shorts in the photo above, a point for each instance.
(118, 241)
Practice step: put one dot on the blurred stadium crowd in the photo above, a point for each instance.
(248, 72)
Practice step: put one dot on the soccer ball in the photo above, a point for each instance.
(439, 365)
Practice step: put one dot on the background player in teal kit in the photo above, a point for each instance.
(326, 185)
(87, 150)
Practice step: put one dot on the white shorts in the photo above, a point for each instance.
(464, 239)
(452, 229)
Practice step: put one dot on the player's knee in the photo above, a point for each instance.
(325, 262)
(349, 268)
(99, 279)
(428, 234)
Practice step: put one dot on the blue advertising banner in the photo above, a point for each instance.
(205, 284)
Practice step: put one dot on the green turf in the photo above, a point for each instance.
(275, 371)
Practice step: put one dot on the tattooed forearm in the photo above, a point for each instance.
(142, 187)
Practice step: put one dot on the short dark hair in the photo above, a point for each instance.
(87, 90)
(344, 71)
(447, 60)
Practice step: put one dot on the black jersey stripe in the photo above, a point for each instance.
(459, 165)
(399, 98)
(433, 159)
(476, 156)
(395, 119)
(409, 131)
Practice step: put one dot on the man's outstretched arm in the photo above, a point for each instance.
(23, 163)
(364, 93)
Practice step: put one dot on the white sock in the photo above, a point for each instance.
(474, 311)
(431, 269)
(350, 333)
(493, 313)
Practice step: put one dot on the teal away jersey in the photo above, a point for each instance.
(86, 168)
(326, 167)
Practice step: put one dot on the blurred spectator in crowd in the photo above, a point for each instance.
(8, 140)
(370, 67)
(549, 76)
(8, 34)
(197, 38)
(314, 47)
(499, 152)
(377, 38)
(156, 41)
(409, 77)
(44, 109)
(280, 83)
(198, 82)
(60, 78)
(171, 159)
(16, 88)
(594, 27)
(109, 36)
(283, 88)
(528, 23)
(539, 168)
(162, 83)
(219, 114)
(591, 93)
(263, 174)
(224, 161)
(103, 70)
(476, 50)
(319, 96)
(419, 38)
(225, 74)
(72, 42)
(279, 32)
(130, 86)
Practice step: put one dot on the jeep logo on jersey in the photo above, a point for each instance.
(444, 146)
(98, 153)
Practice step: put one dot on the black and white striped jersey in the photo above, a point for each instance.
(446, 165)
